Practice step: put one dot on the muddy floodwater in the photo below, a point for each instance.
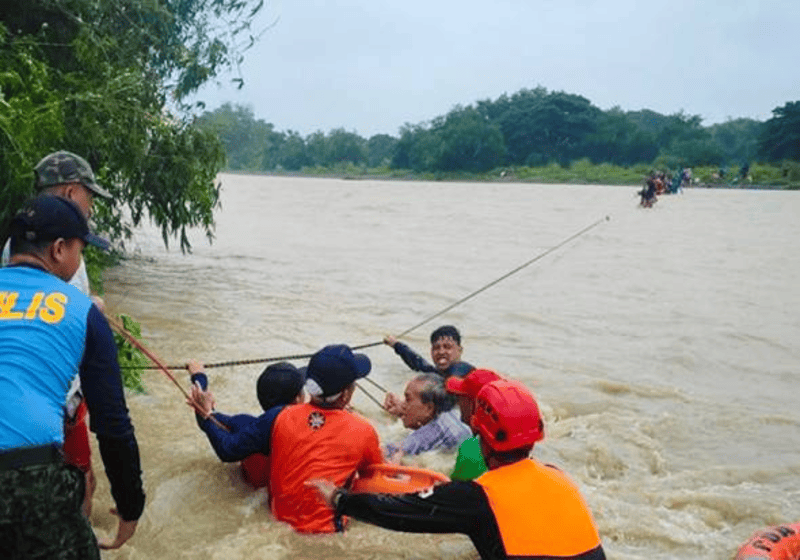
(662, 345)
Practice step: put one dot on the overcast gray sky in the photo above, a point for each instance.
(370, 66)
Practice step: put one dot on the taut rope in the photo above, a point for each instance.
(405, 332)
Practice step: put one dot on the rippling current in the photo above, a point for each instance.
(662, 346)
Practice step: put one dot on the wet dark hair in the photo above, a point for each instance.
(460, 369)
(446, 331)
(279, 384)
(19, 245)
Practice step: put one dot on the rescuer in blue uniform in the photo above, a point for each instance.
(49, 333)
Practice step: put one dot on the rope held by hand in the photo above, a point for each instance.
(120, 329)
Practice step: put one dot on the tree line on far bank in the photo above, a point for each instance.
(530, 128)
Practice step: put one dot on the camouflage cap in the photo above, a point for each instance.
(66, 167)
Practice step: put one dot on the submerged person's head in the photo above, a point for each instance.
(425, 399)
(280, 384)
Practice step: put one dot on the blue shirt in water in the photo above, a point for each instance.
(248, 434)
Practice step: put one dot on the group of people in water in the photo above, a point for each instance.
(663, 182)
(308, 452)
(58, 362)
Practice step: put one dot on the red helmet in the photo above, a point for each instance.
(506, 416)
(471, 384)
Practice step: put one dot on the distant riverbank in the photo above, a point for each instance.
(583, 172)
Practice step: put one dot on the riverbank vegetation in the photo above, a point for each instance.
(532, 135)
(582, 172)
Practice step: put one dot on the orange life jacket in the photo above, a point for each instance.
(539, 511)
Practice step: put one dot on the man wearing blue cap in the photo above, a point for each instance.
(50, 333)
(71, 177)
(320, 439)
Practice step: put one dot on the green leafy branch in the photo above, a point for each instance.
(131, 360)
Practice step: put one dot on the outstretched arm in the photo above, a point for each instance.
(249, 434)
(412, 359)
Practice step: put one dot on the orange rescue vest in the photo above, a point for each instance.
(539, 511)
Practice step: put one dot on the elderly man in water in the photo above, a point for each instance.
(428, 410)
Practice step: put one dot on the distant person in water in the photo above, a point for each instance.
(248, 440)
(744, 173)
(648, 193)
(686, 177)
(445, 353)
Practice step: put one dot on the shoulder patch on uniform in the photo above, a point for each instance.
(316, 420)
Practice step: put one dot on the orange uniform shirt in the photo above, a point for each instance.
(312, 442)
(781, 542)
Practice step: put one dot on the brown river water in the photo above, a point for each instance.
(662, 346)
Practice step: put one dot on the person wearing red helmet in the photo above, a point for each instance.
(520, 508)
(469, 461)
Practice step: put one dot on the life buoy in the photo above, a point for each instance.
(387, 478)
(781, 542)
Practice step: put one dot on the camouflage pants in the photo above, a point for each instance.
(40, 514)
